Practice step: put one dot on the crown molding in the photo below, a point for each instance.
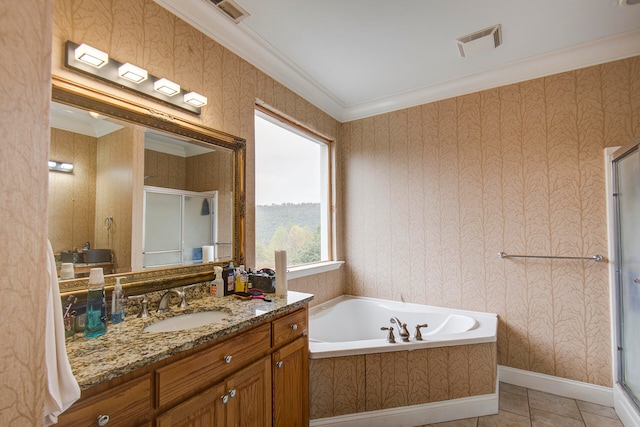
(240, 40)
(599, 51)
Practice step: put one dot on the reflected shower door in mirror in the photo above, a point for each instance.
(100, 203)
(193, 221)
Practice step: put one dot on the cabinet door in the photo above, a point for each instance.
(249, 393)
(291, 385)
(206, 409)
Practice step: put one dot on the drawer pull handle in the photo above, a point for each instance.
(279, 364)
(232, 393)
(294, 327)
(227, 359)
(225, 399)
(103, 420)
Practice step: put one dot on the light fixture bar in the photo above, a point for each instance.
(110, 73)
(55, 166)
(132, 73)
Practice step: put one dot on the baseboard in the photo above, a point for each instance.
(626, 410)
(556, 385)
(409, 416)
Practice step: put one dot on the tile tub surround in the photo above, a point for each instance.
(127, 347)
(352, 384)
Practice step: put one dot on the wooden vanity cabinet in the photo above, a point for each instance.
(259, 377)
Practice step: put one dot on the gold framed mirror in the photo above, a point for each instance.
(140, 154)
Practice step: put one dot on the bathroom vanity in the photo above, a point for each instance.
(250, 369)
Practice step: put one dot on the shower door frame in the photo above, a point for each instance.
(627, 407)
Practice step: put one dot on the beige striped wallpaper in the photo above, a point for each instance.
(433, 193)
(430, 194)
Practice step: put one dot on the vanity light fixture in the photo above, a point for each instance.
(130, 77)
(195, 99)
(60, 166)
(91, 55)
(132, 73)
(166, 86)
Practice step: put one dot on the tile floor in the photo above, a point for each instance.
(522, 407)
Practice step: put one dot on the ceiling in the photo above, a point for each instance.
(357, 58)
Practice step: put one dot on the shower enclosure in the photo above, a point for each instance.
(177, 224)
(626, 203)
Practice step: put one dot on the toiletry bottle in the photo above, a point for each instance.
(238, 279)
(244, 279)
(217, 288)
(117, 303)
(229, 277)
(96, 323)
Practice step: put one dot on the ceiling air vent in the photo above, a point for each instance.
(231, 9)
(629, 2)
(481, 41)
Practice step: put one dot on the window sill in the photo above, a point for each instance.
(311, 269)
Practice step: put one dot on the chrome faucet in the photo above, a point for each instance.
(402, 328)
(164, 301)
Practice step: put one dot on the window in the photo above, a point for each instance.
(292, 193)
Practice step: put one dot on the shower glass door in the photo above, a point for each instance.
(627, 196)
(176, 225)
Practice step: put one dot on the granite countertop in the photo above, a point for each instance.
(127, 347)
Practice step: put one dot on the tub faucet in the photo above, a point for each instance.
(164, 301)
(402, 327)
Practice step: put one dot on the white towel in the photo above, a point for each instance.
(62, 387)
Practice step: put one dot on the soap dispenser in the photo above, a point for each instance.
(96, 323)
(117, 303)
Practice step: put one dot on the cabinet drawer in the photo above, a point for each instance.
(128, 404)
(289, 327)
(192, 374)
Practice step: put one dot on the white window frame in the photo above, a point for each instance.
(328, 249)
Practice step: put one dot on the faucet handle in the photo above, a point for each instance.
(144, 308)
(390, 338)
(418, 334)
(183, 294)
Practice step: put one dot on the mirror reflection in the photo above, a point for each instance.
(134, 198)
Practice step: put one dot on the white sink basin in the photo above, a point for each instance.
(187, 321)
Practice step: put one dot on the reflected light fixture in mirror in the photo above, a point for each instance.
(60, 166)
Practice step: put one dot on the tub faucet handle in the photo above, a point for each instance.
(391, 338)
(418, 336)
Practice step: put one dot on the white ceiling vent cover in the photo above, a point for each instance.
(480, 41)
(231, 9)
